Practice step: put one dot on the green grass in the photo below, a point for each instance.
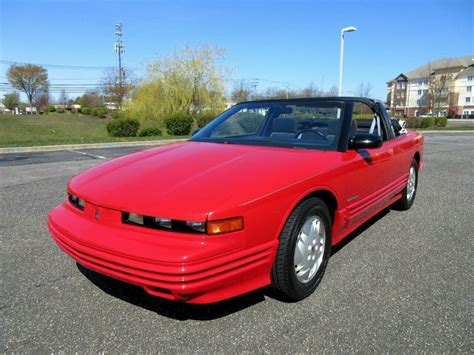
(55, 128)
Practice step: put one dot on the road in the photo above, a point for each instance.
(402, 284)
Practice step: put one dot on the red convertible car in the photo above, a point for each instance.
(257, 197)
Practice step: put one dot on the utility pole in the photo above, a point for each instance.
(119, 49)
(253, 85)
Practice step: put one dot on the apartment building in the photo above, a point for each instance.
(444, 87)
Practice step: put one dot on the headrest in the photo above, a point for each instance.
(354, 127)
(284, 125)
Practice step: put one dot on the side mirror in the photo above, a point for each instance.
(365, 141)
(195, 131)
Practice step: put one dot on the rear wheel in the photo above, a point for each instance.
(303, 251)
(409, 192)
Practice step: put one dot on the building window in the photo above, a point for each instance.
(420, 92)
(468, 100)
(470, 77)
(469, 88)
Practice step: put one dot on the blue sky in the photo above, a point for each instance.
(287, 41)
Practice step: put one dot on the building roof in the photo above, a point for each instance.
(467, 71)
(443, 63)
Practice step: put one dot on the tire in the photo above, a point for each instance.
(407, 199)
(289, 274)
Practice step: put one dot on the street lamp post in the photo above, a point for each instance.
(341, 56)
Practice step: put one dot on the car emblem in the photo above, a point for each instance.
(97, 213)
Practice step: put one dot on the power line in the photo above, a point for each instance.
(74, 67)
(4, 77)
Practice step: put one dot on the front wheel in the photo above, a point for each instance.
(409, 192)
(303, 251)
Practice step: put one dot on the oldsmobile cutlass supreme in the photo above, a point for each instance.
(257, 197)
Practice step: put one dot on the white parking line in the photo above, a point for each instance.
(87, 154)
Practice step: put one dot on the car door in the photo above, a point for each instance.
(398, 167)
(368, 175)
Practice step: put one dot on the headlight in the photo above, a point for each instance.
(76, 201)
(163, 222)
(211, 227)
(198, 226)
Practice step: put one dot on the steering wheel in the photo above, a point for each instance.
(316, 130)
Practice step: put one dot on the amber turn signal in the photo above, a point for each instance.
(225, 225)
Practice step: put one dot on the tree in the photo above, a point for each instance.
(115, 87)
(278, 93)
(90, 99)
(189, 81)
(332, 91)
(11, 100)
(438, 92)
(364, 90)
(29, 78)
(311, 91)
(63, 98)
(42, 101)
(241, 91)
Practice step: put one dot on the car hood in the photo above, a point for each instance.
(191, 179)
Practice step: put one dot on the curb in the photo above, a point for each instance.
(52, 148)
(453, 131)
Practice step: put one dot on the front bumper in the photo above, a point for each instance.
(177, 266)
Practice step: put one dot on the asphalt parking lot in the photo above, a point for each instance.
(403, 283)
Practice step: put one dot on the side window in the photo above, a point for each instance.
(365, 120)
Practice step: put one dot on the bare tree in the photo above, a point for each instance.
(63, 98)
(29, 78)
(438, 90)
(311, 90)
(241, 91)
(364, 90)
(116, 88)
(332, 91)
(41, 101)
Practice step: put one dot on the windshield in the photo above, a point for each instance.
(287, 123)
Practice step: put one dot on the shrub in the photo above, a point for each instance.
(94, 111)
(427, 122)
(123, 127)
(363, 116)
(179, 124)
(86, 110)
(204, 118)
(150, 132)
(115, 114)
(441, 121)
(413, 122)
(51, 108)
(60, 110)
(101, 112)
